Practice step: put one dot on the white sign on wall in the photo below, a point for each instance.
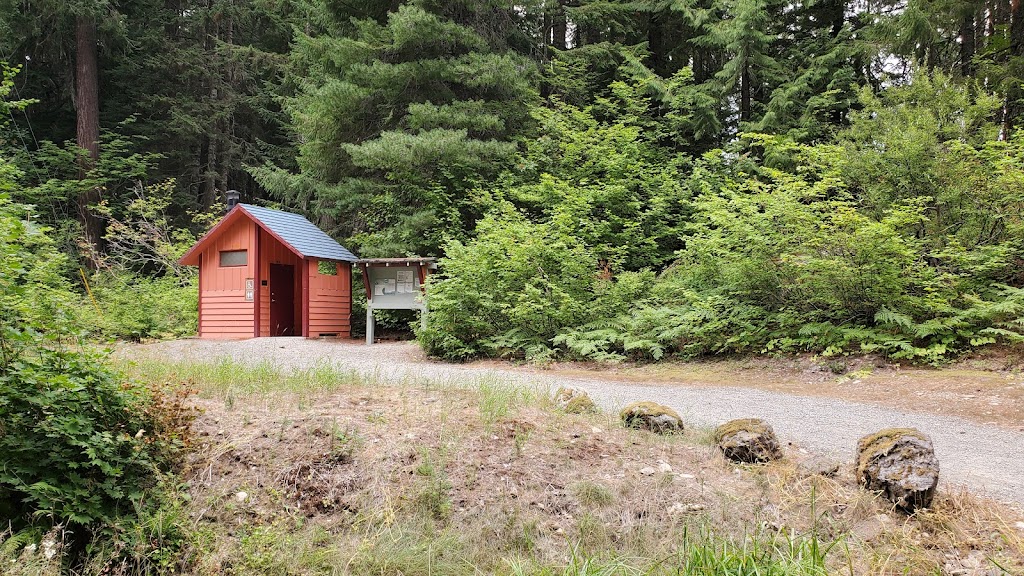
(405, 282)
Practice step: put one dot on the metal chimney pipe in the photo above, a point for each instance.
(232, 198)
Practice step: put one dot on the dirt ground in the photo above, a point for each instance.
(987, 390)
(386, 459)
(489, 475)
(823, 407)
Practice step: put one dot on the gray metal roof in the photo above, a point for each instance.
(301, 234)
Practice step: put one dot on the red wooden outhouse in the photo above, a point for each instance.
(265, 272)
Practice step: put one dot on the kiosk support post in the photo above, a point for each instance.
(369, 323)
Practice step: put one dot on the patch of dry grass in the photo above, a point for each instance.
(330, 473)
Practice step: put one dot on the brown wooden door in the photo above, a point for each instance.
(282, 300)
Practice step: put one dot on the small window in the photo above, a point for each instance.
(327, 268)
(234, 258)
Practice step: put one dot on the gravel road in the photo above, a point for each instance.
(985, 459)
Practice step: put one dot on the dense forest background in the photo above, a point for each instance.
(604, 178)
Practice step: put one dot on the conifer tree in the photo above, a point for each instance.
(751, 68)
(401, 120)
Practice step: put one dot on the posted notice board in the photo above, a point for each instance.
(395, 287)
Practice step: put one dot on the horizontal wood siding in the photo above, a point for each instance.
(330, 301)
(224, 311)
(274, 252)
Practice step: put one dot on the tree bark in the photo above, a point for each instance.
(967, 45)
(1014, 107)
(87, 116)
(1016, 29)
(208, 194)
(546, 27)
(745, 94)
(559, 27)
(837, 15)
(210, 171)
(656, 44)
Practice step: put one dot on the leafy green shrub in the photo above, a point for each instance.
(903, 238)
(604, 180)
(134, 307)
(80, 444)
(508, 292)
(784, 262)
(32, 290)
(140, 291)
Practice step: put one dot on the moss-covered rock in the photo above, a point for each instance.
(899, 463)
(574, 401)
(748, 440)
(651, 416)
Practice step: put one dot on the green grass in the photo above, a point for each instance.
(228, 379)
(499, 398)
(701, 553)
(591, 494)
(422, 547)
(427, 516)
(432, 497)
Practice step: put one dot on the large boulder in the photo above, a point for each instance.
(900, 463)
(574, 401)
(651, 416)
(750, 440)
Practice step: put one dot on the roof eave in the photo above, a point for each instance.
(191, 258)
(328, 259)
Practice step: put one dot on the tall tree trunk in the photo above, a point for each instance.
(1014, 106)
(227, 124)
(1016, 28)
(87, 115)
(745, 94)
(210, 171)
(200, 173)
(967, 42)
(837, 12)
(656, 44)
(546, 27)
(208, 188)
(559, 26)
(990, 19)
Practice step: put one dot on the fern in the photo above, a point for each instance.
(12, 545)
(887, 317)
(993, 334)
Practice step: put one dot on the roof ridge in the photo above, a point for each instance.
(303, 236)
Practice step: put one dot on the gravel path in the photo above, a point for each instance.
(985, 459)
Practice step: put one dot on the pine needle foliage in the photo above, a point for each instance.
(401, 120)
